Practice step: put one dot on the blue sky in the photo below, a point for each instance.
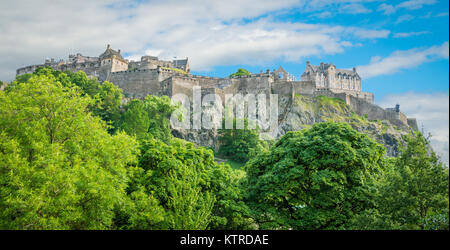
(400, 48)
(425, 26)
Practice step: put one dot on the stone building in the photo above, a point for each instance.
(152, 76)
(326, 75)
(108, 62)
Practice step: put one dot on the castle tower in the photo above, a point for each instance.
(331, 79)
(111, 61)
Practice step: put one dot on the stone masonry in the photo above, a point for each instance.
(152, 76)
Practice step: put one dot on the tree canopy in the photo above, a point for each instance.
(414, 191)
(60, 169)
(317, 178)
(76, 154)
(240, 144)
(241, 72)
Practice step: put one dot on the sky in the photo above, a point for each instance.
(400, 48)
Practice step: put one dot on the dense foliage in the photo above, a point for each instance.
(413, 193)
(240, 144)
(318, 178)
(59, 167)
(77, 154)
(241, 72)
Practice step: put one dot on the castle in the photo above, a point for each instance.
(153, 76)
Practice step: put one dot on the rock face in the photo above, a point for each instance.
(305, 111)
(302, 111)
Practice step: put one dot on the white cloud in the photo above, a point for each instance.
(403, 59)
(410, 5)
(210, 33)
(404, 18)
(431, 110)
(325, 14)
(409, 34)
(369, 34)
(329, 8)
(314, 5)
(415, 4)
(387, 8)
(444, 14)
(354, 8)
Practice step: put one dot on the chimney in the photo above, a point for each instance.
(307, 63)
(354, 69)
(108, 46)
(118, 51)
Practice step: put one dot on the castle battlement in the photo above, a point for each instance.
(152, 76)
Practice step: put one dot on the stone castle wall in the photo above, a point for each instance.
(307, 88)
(92, 69)
(136, 84)
(152, 76)
(374, 112)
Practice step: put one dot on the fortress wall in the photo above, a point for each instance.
(208, 82)
(368, 97)
(118, 65)
(402, 117)
(229, 87)
(253, 85)
(412, 122)
(183, 86)
(304, 87)
(362, 107)
(329, 93)
(138, 83)
(375, 112)
(283, 88)
(396, 118)
(91, 69)
(166, 87)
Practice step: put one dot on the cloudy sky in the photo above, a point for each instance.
(400, 48)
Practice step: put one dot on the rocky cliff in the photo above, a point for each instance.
(305, 111)
(302, 111)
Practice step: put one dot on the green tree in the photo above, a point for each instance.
(230, 212)
(241, 72)
(240, 144)
(194, 191)
(317, 178)
(59, 168)
(136, 120)
(159, 110)
(90, 86)
(107, 96)
(415, 192)
(149, 117)
(177, 175)
(107, 105)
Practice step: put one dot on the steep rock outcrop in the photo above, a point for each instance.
(301, 112)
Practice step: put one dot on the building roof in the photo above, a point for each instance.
(323, 67)
(109, 53)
